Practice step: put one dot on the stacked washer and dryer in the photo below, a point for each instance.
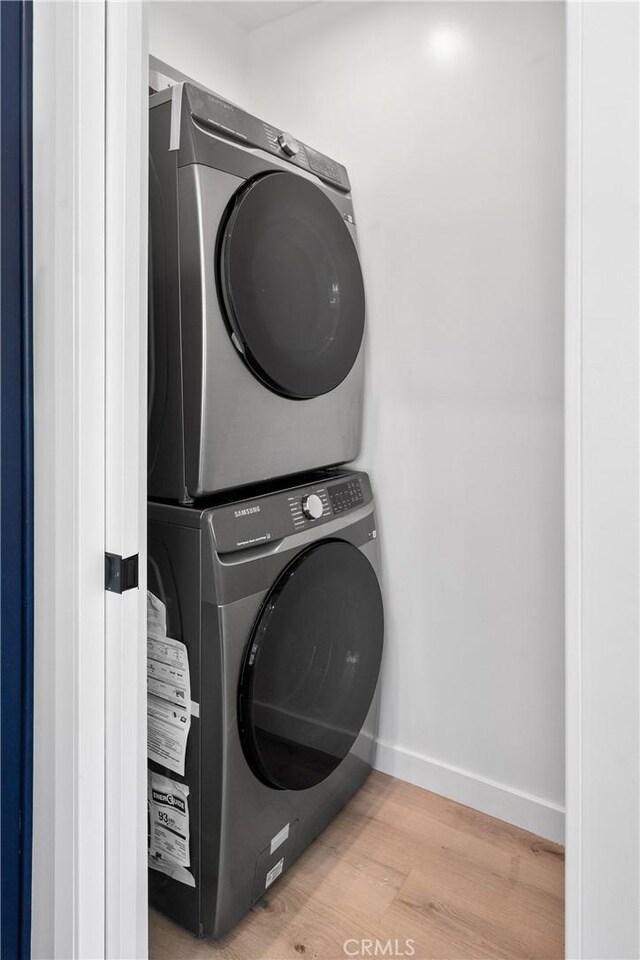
(263, 550)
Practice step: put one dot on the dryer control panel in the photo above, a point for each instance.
(229, 121)
(263, 519)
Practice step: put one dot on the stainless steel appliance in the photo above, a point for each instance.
(278, 601)
(256, 301)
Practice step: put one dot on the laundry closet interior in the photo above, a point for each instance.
(355, 479)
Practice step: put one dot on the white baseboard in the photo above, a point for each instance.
(521, 809)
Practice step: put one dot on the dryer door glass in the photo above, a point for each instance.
(291, 285)
(311, 666)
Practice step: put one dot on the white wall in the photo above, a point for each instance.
(201, 41)
(449, 118)
(602, 493)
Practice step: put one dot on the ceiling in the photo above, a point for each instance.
(252, 14)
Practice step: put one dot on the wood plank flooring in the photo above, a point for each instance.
(404, 865)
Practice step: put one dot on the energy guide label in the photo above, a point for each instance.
(169, 819)
(169, 828)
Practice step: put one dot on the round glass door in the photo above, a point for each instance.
(291, 285)
(311, 666)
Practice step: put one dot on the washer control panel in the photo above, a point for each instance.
(323, 502)
(262, 519)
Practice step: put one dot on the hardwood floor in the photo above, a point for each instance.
(403, 865)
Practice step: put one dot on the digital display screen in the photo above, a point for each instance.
(344, 496)
(323, 165)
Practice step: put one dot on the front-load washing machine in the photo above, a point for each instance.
(277, 600)
(256, 301)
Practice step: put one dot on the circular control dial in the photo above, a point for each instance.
(312, 506)
(287, 144)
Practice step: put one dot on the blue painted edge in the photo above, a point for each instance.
(26, 212)
(16, 483)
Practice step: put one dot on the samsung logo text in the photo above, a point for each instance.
(245, 511)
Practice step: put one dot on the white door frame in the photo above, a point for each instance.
(602, 502)
(69, 377)
(127, 114)
(90, 215)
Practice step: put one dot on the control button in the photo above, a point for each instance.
(287, 144)
(312, 506)
(346, 496)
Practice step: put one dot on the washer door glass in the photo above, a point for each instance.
(291, 285)
(311, 666)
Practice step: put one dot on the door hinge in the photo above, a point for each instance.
(120, 573)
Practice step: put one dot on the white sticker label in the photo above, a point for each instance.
(274, 873)
(156, 617)
(168, 820)
(279, 838)
(168, 691)
(173, 870)
(167, 733)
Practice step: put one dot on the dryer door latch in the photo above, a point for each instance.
(120, 573)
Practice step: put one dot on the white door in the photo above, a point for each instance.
(90, 233)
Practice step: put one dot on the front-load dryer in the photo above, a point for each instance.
(278, 602)
(256, 301)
